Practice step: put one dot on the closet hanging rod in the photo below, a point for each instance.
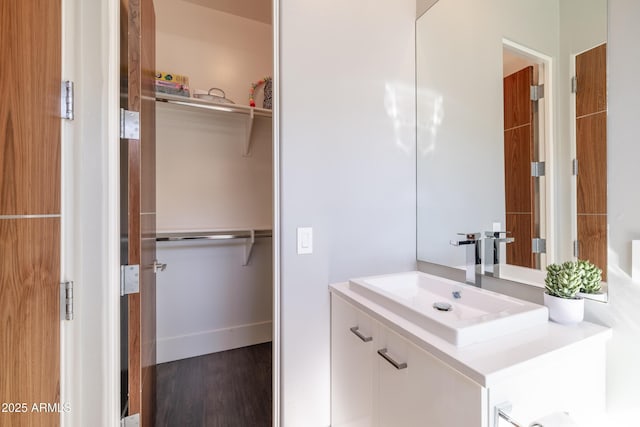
(207, 105)
(211, 235)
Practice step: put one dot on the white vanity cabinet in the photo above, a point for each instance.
(407, 388)
(548, 369)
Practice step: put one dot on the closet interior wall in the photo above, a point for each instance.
(207, 300)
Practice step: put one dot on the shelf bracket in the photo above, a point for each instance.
(249, 131)
(248, 249)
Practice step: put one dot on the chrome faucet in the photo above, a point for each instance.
(492, 252)
(472, 241)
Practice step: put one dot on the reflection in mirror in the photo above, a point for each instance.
(493, 160)
(524, 147)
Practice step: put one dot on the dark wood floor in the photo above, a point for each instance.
(227, 389)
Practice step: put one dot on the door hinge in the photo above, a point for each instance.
(537, 92)
(66, 300)
(574, 84)
(129, 279)
(129, 124)
(576, 248)
(538, 245)
(66, 100)
(537, 169)
(574, 167)
(130, 421)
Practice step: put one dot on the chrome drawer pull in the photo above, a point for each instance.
(383, 352)
(356, 331)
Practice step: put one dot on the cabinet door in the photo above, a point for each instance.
(352, 365)
(425, 392)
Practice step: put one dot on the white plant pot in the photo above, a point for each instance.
(563, 310)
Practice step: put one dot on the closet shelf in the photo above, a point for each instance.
(249, 235)
(249, 112)
(211, 235)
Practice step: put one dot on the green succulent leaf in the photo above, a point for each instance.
(592, 277)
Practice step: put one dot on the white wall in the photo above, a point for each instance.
(203, 180)
(423, 5)
(214, 49)
(347, 170)
(621, 313)
(207, 301)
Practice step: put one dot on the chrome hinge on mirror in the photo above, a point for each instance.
(537, 92)
(537, 169)
(574, 84)
(66, 300)
(66, 100)
(538, 245)
(574, 167)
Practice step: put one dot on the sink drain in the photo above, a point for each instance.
(442, 306)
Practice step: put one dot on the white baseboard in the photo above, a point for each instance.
(197, 344)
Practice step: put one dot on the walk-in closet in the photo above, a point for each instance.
(214, 212)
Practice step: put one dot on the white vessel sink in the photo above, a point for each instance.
(477, 315)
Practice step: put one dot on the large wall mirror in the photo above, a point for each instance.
(511, 132)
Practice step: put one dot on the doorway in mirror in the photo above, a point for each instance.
(524, 101)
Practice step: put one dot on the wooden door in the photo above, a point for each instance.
(591, 155)
(30, 48)
(518, 155)
(138, 37)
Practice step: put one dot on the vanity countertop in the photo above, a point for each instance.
(492, 361)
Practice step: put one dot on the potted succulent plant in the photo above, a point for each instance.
(563, 282)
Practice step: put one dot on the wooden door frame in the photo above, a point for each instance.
(275, 359)
(113, 226)
(93, 24)
(67, 255)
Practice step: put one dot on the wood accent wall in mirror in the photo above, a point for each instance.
(591, 155)
(495, 153)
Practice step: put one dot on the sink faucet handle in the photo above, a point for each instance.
(471, 236)
(496, 234)
(469, 239)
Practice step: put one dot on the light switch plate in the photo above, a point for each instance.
(305, 240)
